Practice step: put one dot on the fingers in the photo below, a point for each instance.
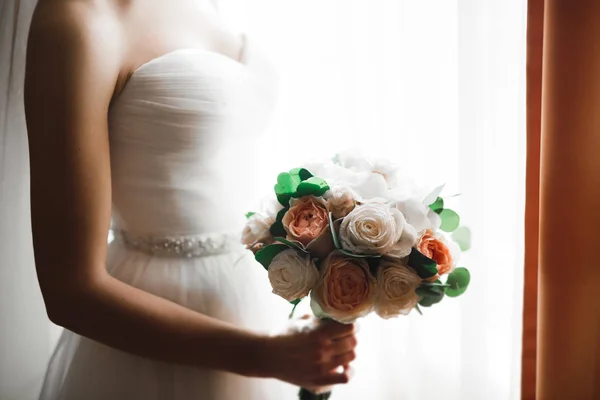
(332, 378)
(344, 345)
(335, 330)
(341, 360)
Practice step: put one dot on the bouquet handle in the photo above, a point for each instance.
(306, 394)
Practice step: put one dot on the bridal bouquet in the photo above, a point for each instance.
(354, 235)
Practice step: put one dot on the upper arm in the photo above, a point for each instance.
(72, 66)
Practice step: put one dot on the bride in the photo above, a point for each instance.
(141, 116)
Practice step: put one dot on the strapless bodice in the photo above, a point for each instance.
(181, 135)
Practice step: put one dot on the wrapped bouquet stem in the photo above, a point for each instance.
(349, 235)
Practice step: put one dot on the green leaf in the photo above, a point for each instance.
(312, 186)
(438, 205)
(450, 220)
(429, 296)
(459, 281)
(423, 265)
(373, 266)
(249, 214)
(462, 237)
(336, 239)
(353, 255)
(286, 187)
(295, 304)
(418, 309)
(438, 285)
(290, 244)
(277, 229)
(266, 254)
(302, 174)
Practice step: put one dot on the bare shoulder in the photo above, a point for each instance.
(73, 39)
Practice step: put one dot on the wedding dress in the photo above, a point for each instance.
(181, 135)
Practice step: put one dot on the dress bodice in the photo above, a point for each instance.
(181, 135)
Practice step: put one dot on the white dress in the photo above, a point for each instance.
(181, 135)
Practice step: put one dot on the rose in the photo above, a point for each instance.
(397, 289)
(340, 201)
(345, 290)
(416, 213)
(306, 219)
(376, 228)
(438, 249)
(292, 275)
(257, 230)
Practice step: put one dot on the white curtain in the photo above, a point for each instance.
(438, 86)
(435, 85)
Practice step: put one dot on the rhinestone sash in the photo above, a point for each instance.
(180, 246)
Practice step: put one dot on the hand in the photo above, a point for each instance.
(311, 355)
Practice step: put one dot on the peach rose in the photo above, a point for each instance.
(397, 289)
(306, 219)
(434, 248)
(345, 290)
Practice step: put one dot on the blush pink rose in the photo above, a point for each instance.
(306, 219)
(345, 290)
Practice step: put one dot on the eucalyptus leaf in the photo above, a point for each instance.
(312, 186)
(265, 255)
(431, 300)
(302, 174)
(424, 266)
(429, 296)
(462, 237)
(458, 280)
(431, 197)
(450, 220)
(437, 206)
(286, 187)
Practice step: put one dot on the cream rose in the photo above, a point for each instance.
(292, 274)
(306, 219)
(397, 285)
(345, 290)
(376, 228)
(257, 230)
(340, 201)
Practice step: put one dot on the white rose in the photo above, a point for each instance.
(292, 275)
(257, 229)
(397, 289)
(416, 214)
(376, 228)
(340, 201)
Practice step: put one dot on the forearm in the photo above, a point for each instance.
(129, 319)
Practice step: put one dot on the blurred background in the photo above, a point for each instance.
(437, 86)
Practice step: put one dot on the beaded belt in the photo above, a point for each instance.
(180, 246)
